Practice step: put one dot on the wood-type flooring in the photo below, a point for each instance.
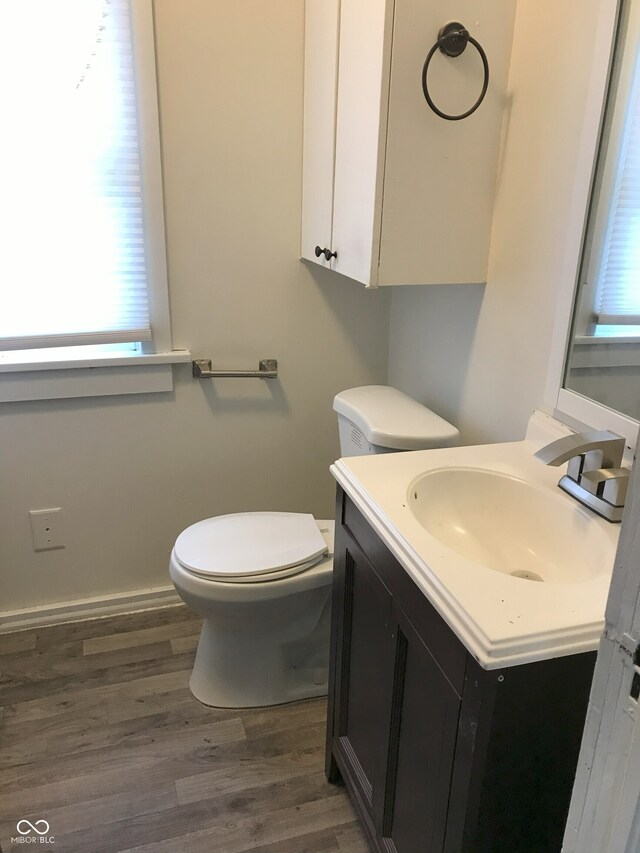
(101, 739)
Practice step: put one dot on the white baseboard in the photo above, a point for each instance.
(88, 608)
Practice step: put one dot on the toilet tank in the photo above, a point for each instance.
(381, 419)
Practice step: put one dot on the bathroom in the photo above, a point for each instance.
(130, 472)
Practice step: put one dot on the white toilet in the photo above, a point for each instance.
(262, 580)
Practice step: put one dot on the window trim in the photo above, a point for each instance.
(71, 362)
(103, 375)
(151, 165)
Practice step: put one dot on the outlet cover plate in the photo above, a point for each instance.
(46, 529)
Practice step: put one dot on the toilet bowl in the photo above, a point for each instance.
(265, 605)
(262, 581)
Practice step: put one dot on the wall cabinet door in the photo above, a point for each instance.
(321, 79)
(362, 99)
(400, 195)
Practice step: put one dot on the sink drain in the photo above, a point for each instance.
(527, 576)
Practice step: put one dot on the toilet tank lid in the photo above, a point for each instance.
(390, 418)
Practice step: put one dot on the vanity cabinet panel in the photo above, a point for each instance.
(363, 645)
(519, 737)
(440, 755)
(421, 741)
(408, 194)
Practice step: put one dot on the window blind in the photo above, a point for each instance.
(72, 249)
(618, 283)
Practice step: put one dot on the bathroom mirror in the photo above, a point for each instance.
(603, 359)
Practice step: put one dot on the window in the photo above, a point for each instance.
(82, 250)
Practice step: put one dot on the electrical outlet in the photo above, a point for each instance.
(46, 528)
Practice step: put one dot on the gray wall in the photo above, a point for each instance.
(131, 472)
(479, 355)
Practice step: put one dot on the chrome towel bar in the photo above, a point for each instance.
(267, 369)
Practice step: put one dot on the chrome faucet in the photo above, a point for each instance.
(595, 475)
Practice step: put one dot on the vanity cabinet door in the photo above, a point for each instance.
(361, 656)
(422, 731)
(393, 707)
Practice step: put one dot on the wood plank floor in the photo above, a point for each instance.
(101, 738)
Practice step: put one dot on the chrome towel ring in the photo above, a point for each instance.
(452, 41)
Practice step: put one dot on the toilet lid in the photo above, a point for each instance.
(250, 544)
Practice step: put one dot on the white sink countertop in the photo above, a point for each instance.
(502, 619)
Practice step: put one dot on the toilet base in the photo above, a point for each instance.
(236, 672)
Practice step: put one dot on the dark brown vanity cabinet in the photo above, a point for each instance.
(440, 755)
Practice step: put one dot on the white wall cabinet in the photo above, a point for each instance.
(400, 195)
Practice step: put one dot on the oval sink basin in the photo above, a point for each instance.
(510, 525)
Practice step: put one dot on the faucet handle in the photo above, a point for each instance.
(601, 449)
(608, 483)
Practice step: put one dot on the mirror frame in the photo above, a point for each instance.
(567, 406)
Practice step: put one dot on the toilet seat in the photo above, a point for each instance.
(253, 547)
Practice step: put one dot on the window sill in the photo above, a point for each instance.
(592, 352)
(109, 374)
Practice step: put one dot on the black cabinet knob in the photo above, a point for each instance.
(328, 254)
